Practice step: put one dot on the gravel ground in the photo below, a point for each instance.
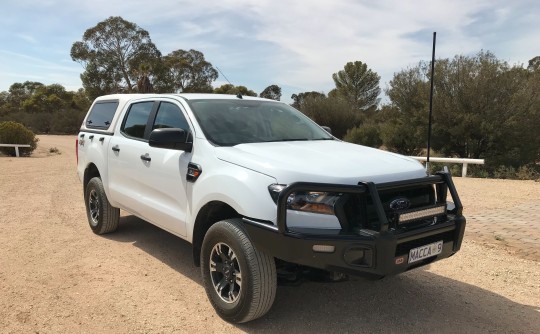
(56, 276)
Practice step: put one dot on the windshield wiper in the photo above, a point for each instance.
(285, 139)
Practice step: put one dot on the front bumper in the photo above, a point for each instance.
(364, 252)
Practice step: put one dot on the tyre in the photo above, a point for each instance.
(102, 216)
(240, 280)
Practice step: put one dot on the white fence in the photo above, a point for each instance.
(16, 147)
(463, 161)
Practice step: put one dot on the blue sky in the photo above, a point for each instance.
(294, 44)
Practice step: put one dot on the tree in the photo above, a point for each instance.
(368, 133)
(143, 83)
(403, 123)
(234, 90)
(111, 53)
(44, 109)
(272, 92)
(482, 108)
(48, 99)
(18, 93)
(357, 84)
(534, 64)
(298, 99)
(338, 114)
(4, 96)
(189, 72)
(475, 101)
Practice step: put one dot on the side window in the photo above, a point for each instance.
(170, 116)
(136, 119)
(101, 115)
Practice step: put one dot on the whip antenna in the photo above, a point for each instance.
(224, 76)
(239, 95)
(431, 100)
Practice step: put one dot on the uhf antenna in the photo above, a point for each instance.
(431, 100)
(238, 95)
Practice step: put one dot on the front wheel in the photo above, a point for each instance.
(102, 216)
(240, 280)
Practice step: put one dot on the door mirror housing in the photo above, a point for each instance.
(171, 138)
(327, 129)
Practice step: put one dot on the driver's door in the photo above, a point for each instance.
(163, 173)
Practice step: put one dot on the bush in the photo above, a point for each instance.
(333, 112)
(454, 168)
(366, 134)
(16, 133)
(54, 150)
(505, 172)
(527, 173)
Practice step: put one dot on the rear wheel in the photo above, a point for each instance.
(102, 216)
(240, 280)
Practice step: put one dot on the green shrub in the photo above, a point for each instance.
(527, 173)
(454, 169)
(505, 172)
(54, 150)
(16, 133)
(478, 171)
(366, 134)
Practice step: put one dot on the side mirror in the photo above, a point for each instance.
(172, 138)
(327, 129)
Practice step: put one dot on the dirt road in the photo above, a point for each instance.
(56, 276)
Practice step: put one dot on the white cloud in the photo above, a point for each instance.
(296, 44)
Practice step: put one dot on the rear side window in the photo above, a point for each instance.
(101, 115)
(136, 119)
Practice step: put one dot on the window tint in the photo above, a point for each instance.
(233, 122)
(101, 114)
(170, 116)
(137, 118)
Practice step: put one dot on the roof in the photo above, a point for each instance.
(186, 96)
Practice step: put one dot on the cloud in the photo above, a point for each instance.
(18, 67)
(27, 38)
(297, 45)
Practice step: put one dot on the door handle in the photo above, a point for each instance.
(146, 157)
(115, 148)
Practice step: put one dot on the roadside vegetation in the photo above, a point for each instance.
(16, 133)
(483, 108)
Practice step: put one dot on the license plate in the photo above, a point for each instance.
(423, 252)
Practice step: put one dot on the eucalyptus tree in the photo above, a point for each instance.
(111, 53)
(272, 92)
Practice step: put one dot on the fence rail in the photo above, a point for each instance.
(16, 147)
(463, 161)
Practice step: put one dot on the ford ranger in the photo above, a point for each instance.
(256, 186)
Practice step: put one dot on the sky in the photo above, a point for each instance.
(297, 45)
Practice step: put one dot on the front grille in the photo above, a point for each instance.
(360, 212)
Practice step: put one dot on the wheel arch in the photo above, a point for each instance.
(90, 172)
(211, 213)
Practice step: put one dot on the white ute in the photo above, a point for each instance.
(257, 188)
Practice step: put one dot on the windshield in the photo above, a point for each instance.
(233, 122)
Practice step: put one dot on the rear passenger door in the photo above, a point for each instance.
(125, 147)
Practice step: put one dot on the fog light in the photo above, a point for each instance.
(324, 248)
(358, 256)
(354, 256)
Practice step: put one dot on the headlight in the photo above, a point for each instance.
(307, 201)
